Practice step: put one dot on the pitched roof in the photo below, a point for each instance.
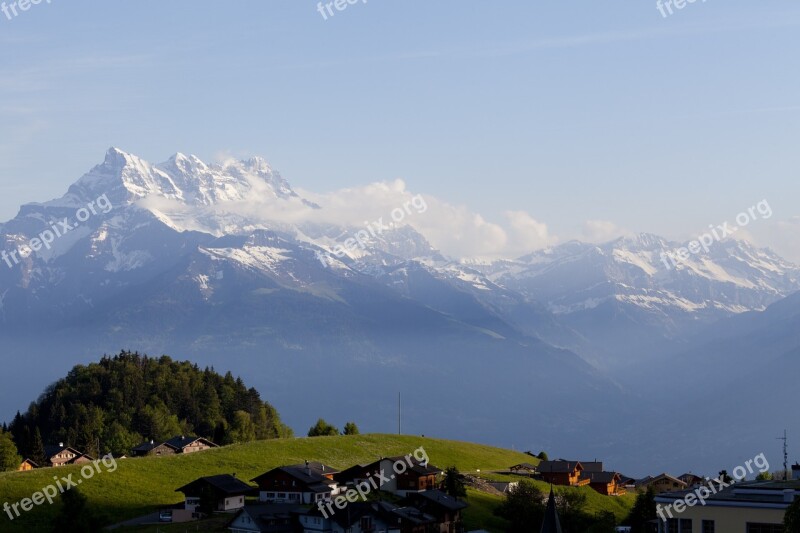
(592, 466)
(523, 466)
(225, 483)
(180, 442)
(146, 446)
(601, 477)
(650, 479)
(551, 522)
(52, 449)
(439, 499)
(264, 516)
(559, 467)
(312, 475)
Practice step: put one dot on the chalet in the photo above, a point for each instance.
(175, 445)
(523, 468)
(628, 482)
(64, 455)
(566, 473)
(445, 509)
(692, 480)
(153, 449)
(366, 517)
(272, 518)
(227, 491)
(660, 483)
(298, 484)
(403, 479)
(747, 507)
(27, 465)
(606, 483)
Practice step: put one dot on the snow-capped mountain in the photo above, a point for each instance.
(227, 264)
(623, 296)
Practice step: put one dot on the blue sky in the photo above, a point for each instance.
(569, 111)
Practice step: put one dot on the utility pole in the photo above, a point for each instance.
(785, 440)
(399, 414)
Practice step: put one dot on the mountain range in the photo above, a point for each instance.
(580, 348)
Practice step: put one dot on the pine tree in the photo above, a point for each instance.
(37, 449)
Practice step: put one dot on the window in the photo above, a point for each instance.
(764, 528)
(709, 526)
(686, 526)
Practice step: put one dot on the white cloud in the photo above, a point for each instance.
(455, 230)
(782, 236)
(600, 231)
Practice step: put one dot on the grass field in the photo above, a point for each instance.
(140, 486)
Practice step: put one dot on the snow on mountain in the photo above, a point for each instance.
(576, 295)
(733, 277)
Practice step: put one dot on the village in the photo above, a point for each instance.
(408, 494)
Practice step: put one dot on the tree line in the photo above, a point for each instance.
(124, 400)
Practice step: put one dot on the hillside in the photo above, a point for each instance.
(115, 404)
(138, 486)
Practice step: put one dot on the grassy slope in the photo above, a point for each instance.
(139, 486)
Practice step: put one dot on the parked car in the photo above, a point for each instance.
(165, 516)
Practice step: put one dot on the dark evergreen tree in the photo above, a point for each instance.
(791, 521)
(37, 449)
(523, 508)
(454, 483)
(130, 398)
(644, 510)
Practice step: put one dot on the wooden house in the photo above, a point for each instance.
(175, 445)
(298, 484)
(661, 483)
(27, 465)
(64, 455)
(228, 492)
(565, 473)
(606, 483)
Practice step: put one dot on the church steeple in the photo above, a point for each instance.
(551, 522)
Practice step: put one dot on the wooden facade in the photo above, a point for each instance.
(564, 473)
(606, 483)
(27, 465)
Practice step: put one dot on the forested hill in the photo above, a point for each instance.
(120, 402)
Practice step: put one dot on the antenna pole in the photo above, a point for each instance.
(399, 414)
(785, 440)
